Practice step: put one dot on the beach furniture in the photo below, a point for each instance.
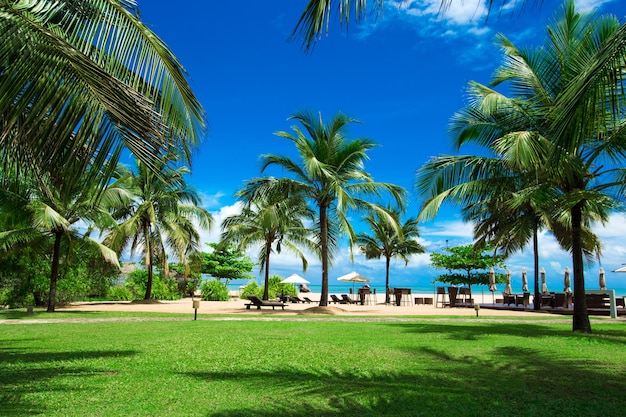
(345, 299)
(256, 301)
(440, 297)
(297, 299)
(307, 299)
(335, 299)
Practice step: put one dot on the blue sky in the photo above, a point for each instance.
(402, 75)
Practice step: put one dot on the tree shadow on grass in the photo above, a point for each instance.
(39, 373)
(476, 331)
(507, 380)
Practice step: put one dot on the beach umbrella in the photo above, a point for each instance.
(508, 289)
(602, 279)
(566, 281)
(353, 277)
(544, 287)
(524, 281)
(622, 269)
(294, 279)
(492, 283)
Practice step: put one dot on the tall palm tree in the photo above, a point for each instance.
(162, 217)
(39, 208)
(330, 175)
(580, 175)
(80, 79)
(272, 221)
(389, 240)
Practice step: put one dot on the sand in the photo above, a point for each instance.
(236, 306)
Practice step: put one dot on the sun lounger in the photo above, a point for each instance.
(297, 299)
(256, 301)
(307, 299)
(347, 300)
(336, 299)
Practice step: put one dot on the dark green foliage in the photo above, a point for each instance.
(162, 289)
(226, 262)
(466, 258)
(214, 290)
(275, 288)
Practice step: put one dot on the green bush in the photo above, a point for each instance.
(251, 288)
(119, 293)
(161, 289)
(215, 290)
(275, 288)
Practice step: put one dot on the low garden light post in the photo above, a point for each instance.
(196, 306)
(477, 308)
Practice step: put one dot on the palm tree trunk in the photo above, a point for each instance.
(387, 263)
(324, 255)
(54, 272)
(146, 233)
(580, 320)
(266, 292)
(537, 297)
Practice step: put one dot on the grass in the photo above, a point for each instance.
(310, 368)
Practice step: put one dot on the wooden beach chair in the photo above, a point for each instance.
(256, 301)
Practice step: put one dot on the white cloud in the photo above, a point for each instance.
(589, 5)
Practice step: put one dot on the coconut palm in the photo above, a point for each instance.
(162, 217)
(272, 221)
(389, 240)
(330, 175)
(39, 208)
(80, 79)
(581, 180)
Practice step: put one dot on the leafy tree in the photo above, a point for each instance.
(467, 259)
(162, 217)
(330, 175)
(226, 262)
(390, 238)
(39, 208)
(81, 79)
(270, 221)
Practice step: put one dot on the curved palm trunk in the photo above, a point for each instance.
(537, 297)
(266, 293)
(324, 256)
(54, 272)
(387, 263)
(580, 320)
(146, 233)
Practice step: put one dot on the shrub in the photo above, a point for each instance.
(251, 288)
(162, 289)
(215, 290)
(119, 293)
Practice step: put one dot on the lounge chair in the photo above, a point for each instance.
(308, 300)
(256, 301)
(347, 300)
(336, 299)
(297, 299)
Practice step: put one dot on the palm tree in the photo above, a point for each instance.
(40, 207)
(578, 175)
(387, 242)
(331, 177)
(160, 217)
(90, 68)
(271, 221)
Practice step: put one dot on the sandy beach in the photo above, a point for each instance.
(236, 306)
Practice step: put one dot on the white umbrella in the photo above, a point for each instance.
(622, 269)
(524, 281)
(602, 279)
(353, 277)
(544, 287)
(294, 279)
(508, 289)
(566, 281)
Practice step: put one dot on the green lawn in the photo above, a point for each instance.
(311, 368)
